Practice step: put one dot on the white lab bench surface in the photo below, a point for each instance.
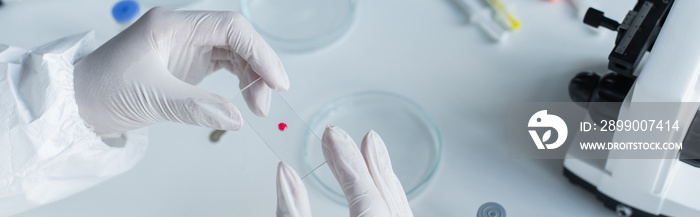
(421, 49)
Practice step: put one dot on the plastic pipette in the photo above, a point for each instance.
(502, 15)
(483, 17)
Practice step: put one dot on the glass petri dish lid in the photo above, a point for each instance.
(300, 25)
(410, 134)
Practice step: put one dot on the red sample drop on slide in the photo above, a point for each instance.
(282, 126)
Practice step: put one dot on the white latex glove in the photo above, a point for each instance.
(369, 183)
(146, 73)
(47, 152)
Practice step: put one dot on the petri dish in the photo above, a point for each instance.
(300, 25)
(168, 3)
(410, 134)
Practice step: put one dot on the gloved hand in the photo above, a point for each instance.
(369, 183)
(146, 73)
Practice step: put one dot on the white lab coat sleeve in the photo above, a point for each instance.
(47, 151)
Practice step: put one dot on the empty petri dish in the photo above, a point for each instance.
(167, 3)
(300, 25)
(410, 134)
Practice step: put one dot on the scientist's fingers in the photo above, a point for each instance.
(348, 166)
(233, 31)
(180, 102)
(257, 94)
(292, 198)
(379, 164)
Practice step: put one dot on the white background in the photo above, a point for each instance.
(421, 49)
